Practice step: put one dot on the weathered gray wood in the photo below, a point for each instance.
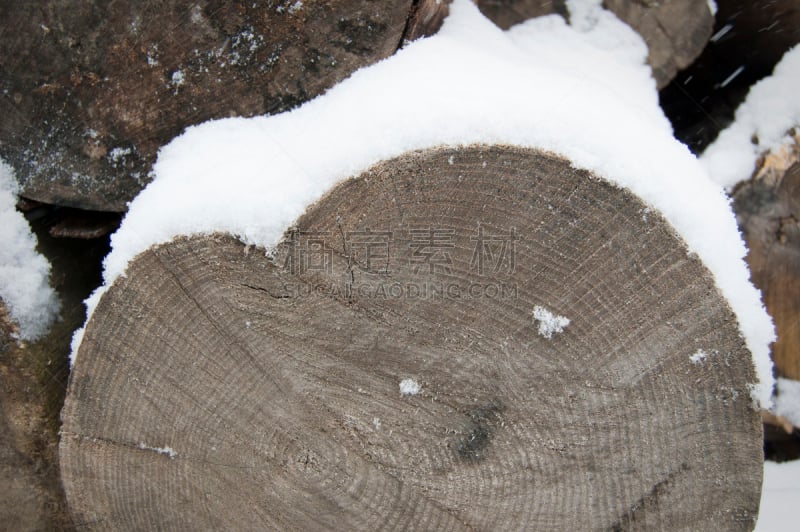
(90, 90)
(275, 381)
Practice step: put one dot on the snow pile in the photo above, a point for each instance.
(24, 274)
(582, 91)
(409, 387)
(699, 357)
(787, 400)
(763, 123)
(549, 323)
(779, 496)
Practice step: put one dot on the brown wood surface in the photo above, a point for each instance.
(275, 379)
(426, 18)
(507, 13)
(31, 497)
(89, 90)
(768, 210)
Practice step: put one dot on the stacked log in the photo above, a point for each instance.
(89, 91)
(480, 338)
(768, 210)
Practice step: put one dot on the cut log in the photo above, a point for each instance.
(676, 31)
(90, 90)
(768, 211)
(477, 338)
(507, 13)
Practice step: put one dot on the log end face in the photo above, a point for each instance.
(275, 385)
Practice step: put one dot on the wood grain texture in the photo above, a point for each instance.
(275, 380)
(90, 90)
(768, 211)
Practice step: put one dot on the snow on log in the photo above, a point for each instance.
(676, 31)
(90, 90)
(383, 366)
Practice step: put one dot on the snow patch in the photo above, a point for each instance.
(699, 357)
(292, 9)
(117, 155)
(549, 323)
(779, 496)
(24, 273)
(712, 7)
(582, 91)
(787, 400)
(177, 79)
(409, 387)
(166, 451)
(763, 123)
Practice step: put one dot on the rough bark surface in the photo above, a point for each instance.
(217, 387)
(768, 209)
(506, 13)
(426, 18)
(676, 31)
(90, 90)
(31, 497)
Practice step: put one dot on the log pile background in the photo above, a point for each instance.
(89, 92)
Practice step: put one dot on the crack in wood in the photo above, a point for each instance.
(648, 500)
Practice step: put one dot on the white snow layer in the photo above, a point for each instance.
(24, 273)
(787, 400)
(763, 122)
(409, 387)
(698, 357)
(779, 496)
(712, 6)
(549, 323)
(581, 91)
